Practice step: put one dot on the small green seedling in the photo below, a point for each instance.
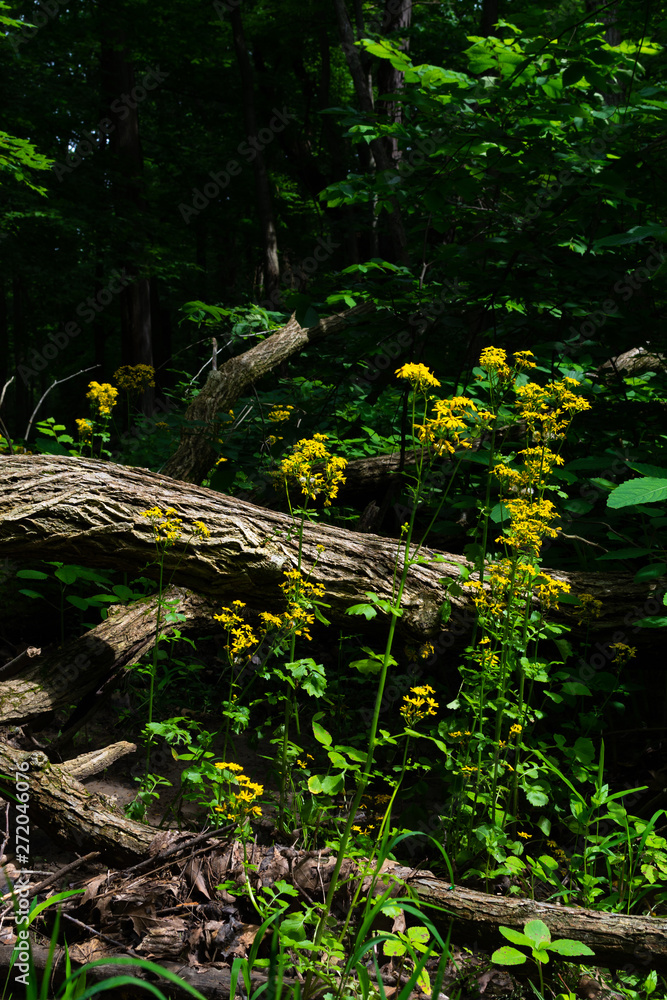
(537, 937)
(415, 940)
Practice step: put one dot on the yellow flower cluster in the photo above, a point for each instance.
(103, 396)
(314, 469)
(537, 465)
(84, 428)
(455, 423)
(622, 653)
(168, 526)
(506, 582)
(241, 635)
(418, 704)
(135, 378)
(280, 413)
(419, 376)
(590, 608)
(240, 805)
(296, 619)
(548, 410)
(529, 524)
(521, 833)
(494, 361)
(516, 729)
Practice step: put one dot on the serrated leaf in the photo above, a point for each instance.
(646, 490)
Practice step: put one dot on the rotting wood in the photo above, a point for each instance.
(90, 512)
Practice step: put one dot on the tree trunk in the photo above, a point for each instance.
(91, 512)
(364, 91)
(62, 806)
(196, 455)
(397, 19)
(614, 937)
(271, 264)
(129, 198)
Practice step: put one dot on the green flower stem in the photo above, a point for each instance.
(372, 739)
(290, 701)
(154, 664)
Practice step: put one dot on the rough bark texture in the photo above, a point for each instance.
(90, 512)
(614, 937)
(63, 807)
(88, 664)
(196, 455)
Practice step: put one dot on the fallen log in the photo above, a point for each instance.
(90, 512)
(95, 663)
(196, 454)
(62, 806)
(616, 938)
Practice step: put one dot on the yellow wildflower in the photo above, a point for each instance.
(84, 428)
(103, 397)
(419, 375)
(135, 378)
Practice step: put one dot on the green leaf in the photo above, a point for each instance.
(331, 784)
(516, 937)
(67, 574)
(393, 948)
(650, 572)
(321, 735)
(660, 621)
(78, 602)
(508, 956)
(367, 666)
(32, 574)
(647, 490)
(367, 610)
(538, 932)
(648, 470)
(567, 946)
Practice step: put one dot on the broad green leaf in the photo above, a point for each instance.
(321, 735)
(537, 931)
(32, 574)
(508, 956)
(567, 946)
(647, 490)
(67, 574)
(367, 666)
(516, 937)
